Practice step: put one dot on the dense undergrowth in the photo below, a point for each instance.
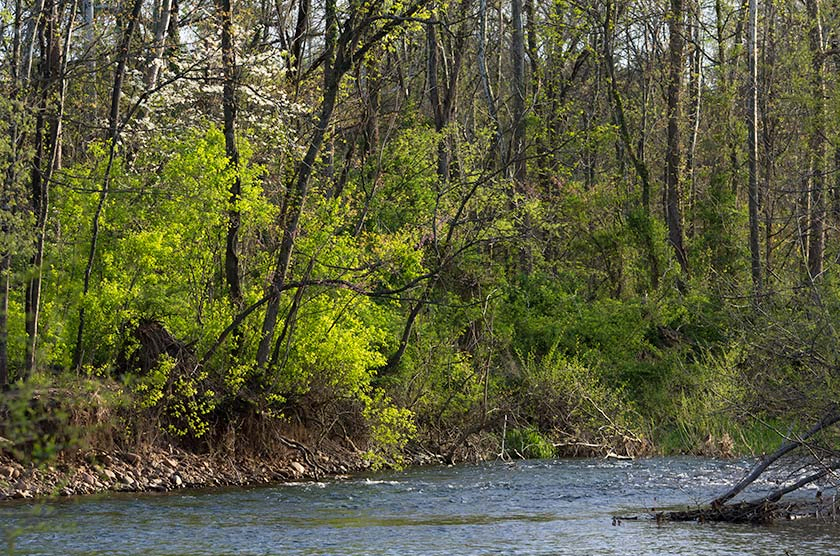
(392, 281)
(578, 356)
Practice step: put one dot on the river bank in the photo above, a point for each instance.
(167, 468)
(163, 470)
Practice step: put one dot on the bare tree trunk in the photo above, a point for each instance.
(47, 157)
(734, 142)
(518, 65)
(639, 164)
(30, 37)
(298, 41)
(230, 79)
(334, 70)
(752, 142)
(155, 61)
(11, 180)
(485, 80)
(816, 144)
(673, 156)
(112, 136)
(293, 210)
(695, 88)
(343, 49)
(768, 52)
(443, 98)
(435, 100)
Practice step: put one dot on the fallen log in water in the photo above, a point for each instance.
(743, 512)
(823, 463)
(756, 512)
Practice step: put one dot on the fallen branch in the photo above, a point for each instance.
(765, 462)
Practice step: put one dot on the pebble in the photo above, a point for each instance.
(132, 459)
(129, 472)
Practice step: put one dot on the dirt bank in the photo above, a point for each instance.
(162, 470)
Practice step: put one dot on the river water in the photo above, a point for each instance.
(526, 508)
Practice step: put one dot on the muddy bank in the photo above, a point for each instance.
(162, 470)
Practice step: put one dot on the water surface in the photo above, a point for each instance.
(528, 508)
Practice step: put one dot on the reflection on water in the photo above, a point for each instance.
(529, 508)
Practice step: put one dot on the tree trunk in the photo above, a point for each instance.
(155, 60)
(231, 150)
(768, 53)
(52, 86)
(695, 91)
(816, 145)
(518, 80)
(752, 143)
(673, 156)
(443, 97)
(485, 82)
(10, 182)
(435, 100)
(639, 164)
(112, 136)
(298, 41)
(293, 205)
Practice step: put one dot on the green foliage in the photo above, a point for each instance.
(528, 443)
(567, 399)
(336, 347)
(35, 427)
(391, 428)
(555, 299)
(160, 246)
(180, 401)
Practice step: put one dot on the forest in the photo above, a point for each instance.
(453, 227)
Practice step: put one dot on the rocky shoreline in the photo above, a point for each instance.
(161, 470)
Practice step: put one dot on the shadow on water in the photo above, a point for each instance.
(530, 508)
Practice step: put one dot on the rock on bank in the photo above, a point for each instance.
(160, 471)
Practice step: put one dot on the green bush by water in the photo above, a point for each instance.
(528, 443)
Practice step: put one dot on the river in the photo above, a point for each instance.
(529, 508)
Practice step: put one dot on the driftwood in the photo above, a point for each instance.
(743, 512)
(765, 462)
(768, 507)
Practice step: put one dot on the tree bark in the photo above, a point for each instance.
(298, 41)
(443, 97)
(158, 47)
(673, 156)
(52, 85)
(816, 145)
(230, 78)
(752, 145)
(498, 146)
(639, 165)
(695, 101)
(112, 137)
(10, 182)
(518, 80)
(343, 49)
(5, 281)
